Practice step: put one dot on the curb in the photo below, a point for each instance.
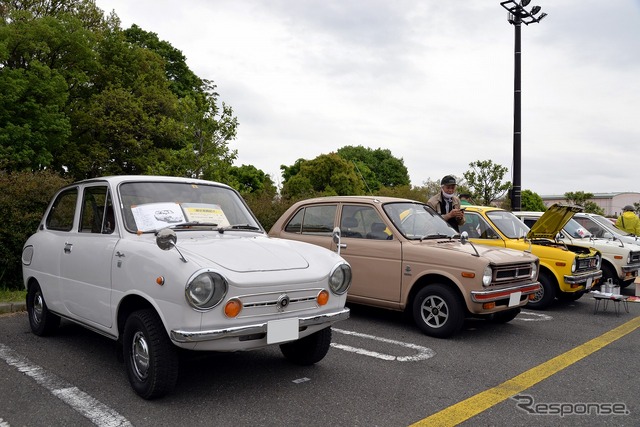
(12, 307)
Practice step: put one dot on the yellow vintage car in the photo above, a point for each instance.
(566, 271)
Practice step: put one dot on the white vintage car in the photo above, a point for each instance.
(214, 281)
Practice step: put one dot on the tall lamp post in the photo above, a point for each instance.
(518, 15)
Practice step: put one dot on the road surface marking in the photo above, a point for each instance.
(462, 411)
(94, 410)
(423, 353)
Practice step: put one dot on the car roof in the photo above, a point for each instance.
(355, 199)
(118, 179)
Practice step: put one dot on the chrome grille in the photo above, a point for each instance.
(586, 264)
(635, 257)
(511, 273)
(266, 303)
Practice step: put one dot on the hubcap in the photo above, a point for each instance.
(435, 311)
(38, 307)
(140, 355)
(538, 295)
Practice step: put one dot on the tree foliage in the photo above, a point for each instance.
(378, 168)
(485, 181)
(582, 198)
(326, 175)
(86, 98)
(531, 201)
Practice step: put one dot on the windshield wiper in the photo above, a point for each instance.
(238, 227)
(435, 236)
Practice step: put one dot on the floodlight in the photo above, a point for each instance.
(542, 15)
(535, 9)
(524, 3)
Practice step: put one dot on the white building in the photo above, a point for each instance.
(611, 203)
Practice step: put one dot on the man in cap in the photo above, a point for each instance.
(447, 204)
(628, 221)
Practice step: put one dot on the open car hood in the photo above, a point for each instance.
(552, 221)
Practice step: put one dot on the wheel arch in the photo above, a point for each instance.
(431, 279)
(128, 305)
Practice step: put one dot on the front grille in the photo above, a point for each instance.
(511, 273)
(586, 264)
(266, 303)
(635, 257)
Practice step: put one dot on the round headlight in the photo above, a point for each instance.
(487, 275)
(340, 279)
(574, 265)
(205, 290)
(534, 270)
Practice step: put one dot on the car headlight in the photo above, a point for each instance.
(340, 279)
(487, 275)
(574, 265)
(205, 290)
(534, 270)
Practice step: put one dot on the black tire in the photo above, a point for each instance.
(150, 358)
(570, 296)
(546, 295)
(42, 321)
(609, 272)
(308, 350)
(438, 311)
(624, 284)
(505, 316)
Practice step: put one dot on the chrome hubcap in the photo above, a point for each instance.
(38, 307)
(140, 355)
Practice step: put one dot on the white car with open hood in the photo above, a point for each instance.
(158, 263)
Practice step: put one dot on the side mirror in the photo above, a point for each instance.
(336, 238)
(464, 237)
(166, 239)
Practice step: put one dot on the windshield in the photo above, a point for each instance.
(605, 223)
(418, 221)
(508, 224)
(149, 206)
(575, 230)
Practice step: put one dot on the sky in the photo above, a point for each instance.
(430, 80)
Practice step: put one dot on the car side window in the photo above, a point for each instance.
(363, 222)
(477, 227)
(62, 211)
(314, 220)
(97, 211)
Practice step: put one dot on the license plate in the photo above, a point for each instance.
(514, 299)
(589, 283)
(282, 330)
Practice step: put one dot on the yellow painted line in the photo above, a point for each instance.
(462, 411)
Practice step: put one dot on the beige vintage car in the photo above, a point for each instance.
(404, 256)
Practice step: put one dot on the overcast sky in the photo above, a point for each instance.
(430, 80)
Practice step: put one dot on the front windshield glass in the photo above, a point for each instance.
(149, 206)
(418, 221)
(508, 224)
(604, 222)
(575, 230)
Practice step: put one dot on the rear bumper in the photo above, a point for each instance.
(183, 336)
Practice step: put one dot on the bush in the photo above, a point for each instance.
(23, 200)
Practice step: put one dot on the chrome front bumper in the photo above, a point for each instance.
(256, 328)
(576, 280)
(489, 295)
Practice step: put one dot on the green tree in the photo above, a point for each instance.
(327, 174)
(485, 181)
(531, 201)
(581, 198)
(377, 167)
(248, 179)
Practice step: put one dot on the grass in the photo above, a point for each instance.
(12, 295)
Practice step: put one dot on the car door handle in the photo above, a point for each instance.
(67, 247)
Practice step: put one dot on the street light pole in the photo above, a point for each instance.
(517, 16)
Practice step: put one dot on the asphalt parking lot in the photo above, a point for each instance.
(563, 366)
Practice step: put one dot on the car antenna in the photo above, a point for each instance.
(362, 177)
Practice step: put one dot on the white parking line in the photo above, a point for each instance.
(423, 352)
(94, 410)
(530, 316)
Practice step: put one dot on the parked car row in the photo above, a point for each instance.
(161, 263)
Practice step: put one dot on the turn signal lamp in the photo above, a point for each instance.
(232, 308)
(468, 274)
(323, 297)
(489, 305)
